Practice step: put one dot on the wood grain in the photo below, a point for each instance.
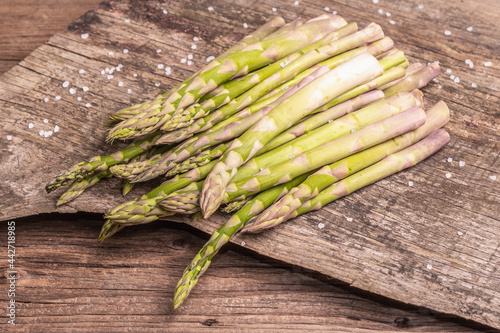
(397, 231)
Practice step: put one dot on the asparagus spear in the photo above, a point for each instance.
(101, 163)
(415, 81)
(245, 119)
(183, 201)
(222, 236)
(146, 209)
(436, 117)
(197, 160)
(327, 153)
(358, 70)
(81, 185)
(251, 57)
(126, 187)
(351, 122)
(187, 116)
(391, 164)
(410, 70)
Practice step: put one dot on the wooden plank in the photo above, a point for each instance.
(68, 282)
(388, 247)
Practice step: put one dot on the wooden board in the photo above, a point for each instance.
(388, 247)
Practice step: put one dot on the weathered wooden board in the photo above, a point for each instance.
(434, 244)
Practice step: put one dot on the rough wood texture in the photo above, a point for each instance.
(434, 244)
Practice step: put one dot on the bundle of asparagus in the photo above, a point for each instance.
(289, 119)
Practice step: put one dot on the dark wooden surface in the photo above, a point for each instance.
(395, 227)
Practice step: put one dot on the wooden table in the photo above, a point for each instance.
(67, 281)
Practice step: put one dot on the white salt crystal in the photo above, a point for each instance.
(183, 60)
(189, 62)
(321, 225)
(449, 160)
(375, 1)
(429, 266)
(168, 70)
(245, 25)
(72, 91)
(157, 84)
(109, 77)
(473, 85)
(410, 183)
(46, 99)
(84, 36)
(210, 8)
(457, 80)
(30, 125)
(193, 46)
(58, 98)
(56, 129)
(165, 12)
(461, 163)
(392, 22)
(448, 175)
(111, 53)
(127, 20)
(243, 243)
(387, 14)
(88, 105)
(190, 57)
(447, 32)
(327, 9)
(41, 133)
(420, 7)
(273, 9)
(65, 84)
(129, 91)
(78, 98)
(125, 51)
(9, 137)
(160, 66)
(120, 84)
(469, 29)
(81, 71)
(380, 11)
(210, 58)
(448, 71)
(488, 64)
(196, 39)
(493, 177)
(296, 3)
(45, 121)
(158, 51)
(85, 88)
(134, 75)
(349, 219)
(460, 233)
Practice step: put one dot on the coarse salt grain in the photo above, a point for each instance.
(165, 12)
(448, 175)
(449, 160)
(448, 71)
(452, 77)
(109, 77)
(47, 134)
(327, 9)
(380, 11)
(210, 58)
(349, 219)
(189, 62)
(103, 72)
(321, 225)
(190, 56)
(120, 84)
(447, 32)
(210, 8)
(127, 20)
(81, 71)
(273, 9)
(296, 3)
(243, 243)
(469, 29)
(46, 99)
(196, 39)
(65, 84)
(461, 163)
(41, 132)
(111, 53)
(85, 88)
(45, 121)
(56, 129)
(429, 266)
(488, 64)
(420, 7)
(58, 98)
(125, 51)
(493, 177)
(245, 25)
(72, 91)
(88, 105)
(30, 125)
(469, 62)
(168, 70)
(392, 22)
(9, 137)
(410, 183)
(84, 36)
(157, 84)
(78, 98)
(457, 80)
(460, 233)
(129, 91)
(387, 14)
(193, 47)
(183, 60)
(160, 66)
(375, 1)
(134, 75)
(158, 51)
(473, 85)
(334, 12)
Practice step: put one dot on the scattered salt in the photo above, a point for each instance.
(129, 91)
(160, 66)
(469, 29)
(334, 12)
(452, 77)
(387, 14)
(111, 53)
(41, 133)
(380, 11)
(448, 71)
(349, 219)
(245, 25)
(273, 9)
(120, 84)
(134, 75)
(460, 233)
(56, 129)
(243, 243)
(109, 77)
(168, 70)
(127, 20)
(190, 56)
(30, 125)
(78, 98)
(447, 32)
(210, 8)
(9, 137)
(196, 39)
(392, 22)
(420, 7)
(461, 163)
(488, 64)
(81, 71)
(469, 62)
(47, 134)
(103, 72)
(210, 58)
(296, 3)
(183, 60)
(473, 85)
(165, 12)
(429, 266)
(493, 177)
(189, 62)
(375, 1)
(85, 88)
(58, 98)
(84, 36)
(327, 9)
(65, 84)
(158, 51)
(46, 99)
(410, 183)
(321, 225)
(157, 84)
(449, 160)
(88, 105)
(72, 91)
(125, 51)
(45, 121)
(448, 175)
(457, 80)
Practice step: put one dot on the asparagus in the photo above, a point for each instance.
(187, 116)
(81, 185)
(245, 119)
(126, 187)
(130, 170)
(342, 126)
(391, 164)
(235, 205)
(415, 81)
(197, 160)
(222, 236)
(358, 70)
(412, 69)
(327, 153)
(183, 201)
(252, 57)
(146, 209)
(109, 229)
(101, 163)
(436, 117)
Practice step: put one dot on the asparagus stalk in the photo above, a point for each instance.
(252, 57)
(184, 201)
(327, 153)
(146, 209)
(415, 81)
(358, 70)
(340, 127)
(81, 185)
(126, 187)
(245, 119)
(222, 236)
(389, 165)
(109, 229)
(101, 163)
(410, 70)
(197, 160)
(187, 116)
(436, 117)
